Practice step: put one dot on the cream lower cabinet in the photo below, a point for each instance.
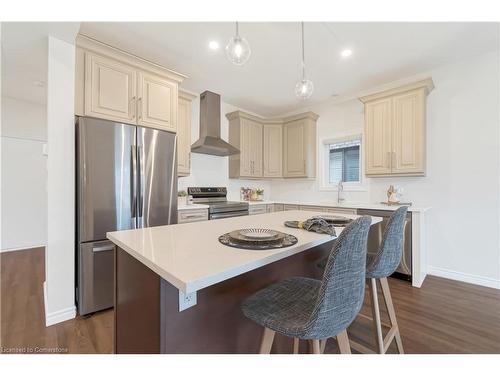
(299, 151)
(114, 85)
(395, 131)
(256, 209)
(184, 134)
(191, 216)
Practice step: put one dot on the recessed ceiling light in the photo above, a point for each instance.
(213, 45)
(346, 52)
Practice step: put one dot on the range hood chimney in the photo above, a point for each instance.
(210, 141)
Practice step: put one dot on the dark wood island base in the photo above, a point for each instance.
(147, 317)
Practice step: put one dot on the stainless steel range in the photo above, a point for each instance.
(216, 199)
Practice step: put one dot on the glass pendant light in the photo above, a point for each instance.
(304, 88)
(238, 49)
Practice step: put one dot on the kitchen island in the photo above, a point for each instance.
(179, 290)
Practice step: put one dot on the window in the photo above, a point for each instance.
(343, 161)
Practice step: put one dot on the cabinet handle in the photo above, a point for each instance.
(132, 101)
(304, 162)
(139, 104)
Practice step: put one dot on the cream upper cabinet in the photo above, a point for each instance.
(395, 130)
(184, 134)
(157, 102)
(245, 133)
(114, 85)
(299, 151)
(110, 89)
(273, 150)
(378, 137)
(255, 147)
(294, 153)
(408, 134)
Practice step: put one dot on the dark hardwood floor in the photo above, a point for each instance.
(443, 316)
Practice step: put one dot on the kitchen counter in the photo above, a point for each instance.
(190, 256)
(194, 206)
(360, 205)
(178, 290)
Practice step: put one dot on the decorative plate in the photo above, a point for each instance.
(259, 234)
(235, 239)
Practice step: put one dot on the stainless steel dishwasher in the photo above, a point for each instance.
(375, 238)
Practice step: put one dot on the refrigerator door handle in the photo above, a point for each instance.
(140, 171)
(133, 181)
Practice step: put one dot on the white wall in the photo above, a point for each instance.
(208, 170)
(24, 174)
(59, 256)
(462, 182)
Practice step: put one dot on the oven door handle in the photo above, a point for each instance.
(223, 215)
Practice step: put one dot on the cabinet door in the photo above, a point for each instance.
(110, 89)
(313, 208)
(157, 102)
(273, 150)
(294, 134)
(378, 137)
(257, 209)
(184, 138)
(256, 148)
(408, 132)
(245, 148)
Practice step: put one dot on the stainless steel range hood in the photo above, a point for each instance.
(210, 141)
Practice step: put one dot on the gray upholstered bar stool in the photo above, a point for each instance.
(379, 267)
(310, 309)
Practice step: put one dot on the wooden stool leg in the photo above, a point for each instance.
(267, 341)
(376, 315)
(296, 345)
(316, 347)
(323, 345)
(392, 314)
(343, 341)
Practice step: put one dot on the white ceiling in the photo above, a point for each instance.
(24, 56)
(382, 52)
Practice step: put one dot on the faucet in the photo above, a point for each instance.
(340, 191)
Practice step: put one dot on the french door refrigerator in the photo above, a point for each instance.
(126, 179)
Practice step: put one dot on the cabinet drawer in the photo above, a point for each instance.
(278, 207)
(189, 216)
(290, 207)
(313, 208)
(257, 209)
(338, 210)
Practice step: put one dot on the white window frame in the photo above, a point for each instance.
(324, 163)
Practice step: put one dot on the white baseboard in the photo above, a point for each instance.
(465, 277)
(21, 248)
(56, 316)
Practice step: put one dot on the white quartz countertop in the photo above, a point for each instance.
(194, 206)
(360, 205)
(190, 256)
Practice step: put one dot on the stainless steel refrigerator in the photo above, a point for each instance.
(126, 179)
